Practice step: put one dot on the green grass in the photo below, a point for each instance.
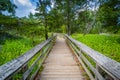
(14, 48)
(109, 45)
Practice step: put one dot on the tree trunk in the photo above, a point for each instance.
(46, 32)
(68, 17)
(45, 19)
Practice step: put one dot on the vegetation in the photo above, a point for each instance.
(109, 45)
(88, 17)
(14, 48)
(7, 6)
(78, 16)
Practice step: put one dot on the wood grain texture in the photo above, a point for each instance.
(60, 64)
(110, 66)
(8, 69)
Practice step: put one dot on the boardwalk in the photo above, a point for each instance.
(61, 64)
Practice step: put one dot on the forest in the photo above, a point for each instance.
(93, 22)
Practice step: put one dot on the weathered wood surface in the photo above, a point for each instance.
(60, 64)
(83, 60)
(11, 67)
(110, 66)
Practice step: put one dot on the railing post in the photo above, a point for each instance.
(105, 68)
(98, 69)
(80, 52)
(108, 77)
(42, 51)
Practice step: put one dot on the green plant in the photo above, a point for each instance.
(14, 48)
(108, 45)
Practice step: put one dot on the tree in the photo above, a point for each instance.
(108, 15)
(69, 10)
(7, 5)
(55, 20)
(7, 22)
(43, 7)
(79, 15)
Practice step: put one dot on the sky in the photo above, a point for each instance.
(25, 7)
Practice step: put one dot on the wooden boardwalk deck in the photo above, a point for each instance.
(61, 64)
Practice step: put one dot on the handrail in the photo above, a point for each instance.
(106, 68)
(8, 70)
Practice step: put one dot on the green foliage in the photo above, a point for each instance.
(14, 48)
(108, 14)
(8, 20)
(17, 41)
(43, 7)
(63, 29)
(7, 5)
(109, 45)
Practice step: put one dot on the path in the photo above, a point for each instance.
(60, 64)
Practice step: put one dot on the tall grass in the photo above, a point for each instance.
(14, 48)
(109, 45)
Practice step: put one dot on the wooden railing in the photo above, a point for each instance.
(97, 66)
(28, 65)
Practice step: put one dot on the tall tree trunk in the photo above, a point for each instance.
(46, 32)
(68, 17)
(45, 18)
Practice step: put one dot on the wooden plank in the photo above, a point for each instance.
(76, 51)
(87, 62)
(92, 68)
(11, 67)
(26, 74)
(60, 64)
(46, 51)
(110, 66)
